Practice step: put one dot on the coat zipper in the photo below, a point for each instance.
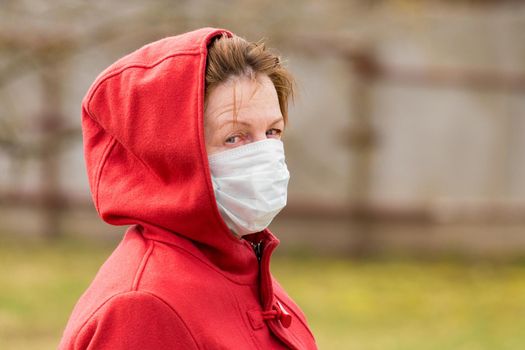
(267, 288)
(257, 248)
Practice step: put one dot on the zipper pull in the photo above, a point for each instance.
(257, 248)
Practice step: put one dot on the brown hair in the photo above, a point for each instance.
(235, 57)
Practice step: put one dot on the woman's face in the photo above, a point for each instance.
(256, 107)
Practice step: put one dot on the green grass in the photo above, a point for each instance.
(370, 304)
(396, 304)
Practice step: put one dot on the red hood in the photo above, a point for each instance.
(144, 147)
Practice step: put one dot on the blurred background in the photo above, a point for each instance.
(405, 227)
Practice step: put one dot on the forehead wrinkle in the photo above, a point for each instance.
(253, 79)
(221, 110)
(256, 88)
(234, 106)
(235, 110)
(229, 106)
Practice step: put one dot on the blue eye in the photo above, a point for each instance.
(231, 139)
(273, 132)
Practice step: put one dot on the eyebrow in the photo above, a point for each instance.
(279, 119)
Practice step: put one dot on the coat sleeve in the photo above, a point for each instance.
(134, 320)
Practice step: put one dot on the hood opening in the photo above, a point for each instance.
(145, 154)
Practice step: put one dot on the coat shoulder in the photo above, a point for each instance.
(132, 320)
(118, 294)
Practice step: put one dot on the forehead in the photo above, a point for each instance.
(242, 97)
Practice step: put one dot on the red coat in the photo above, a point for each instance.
(179, 279)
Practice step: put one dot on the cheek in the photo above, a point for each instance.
(212, 148)
(212, 140)
(209, 140)
(209, 133)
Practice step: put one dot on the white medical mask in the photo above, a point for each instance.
(250, 184)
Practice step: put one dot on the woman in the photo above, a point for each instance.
(182, 142)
